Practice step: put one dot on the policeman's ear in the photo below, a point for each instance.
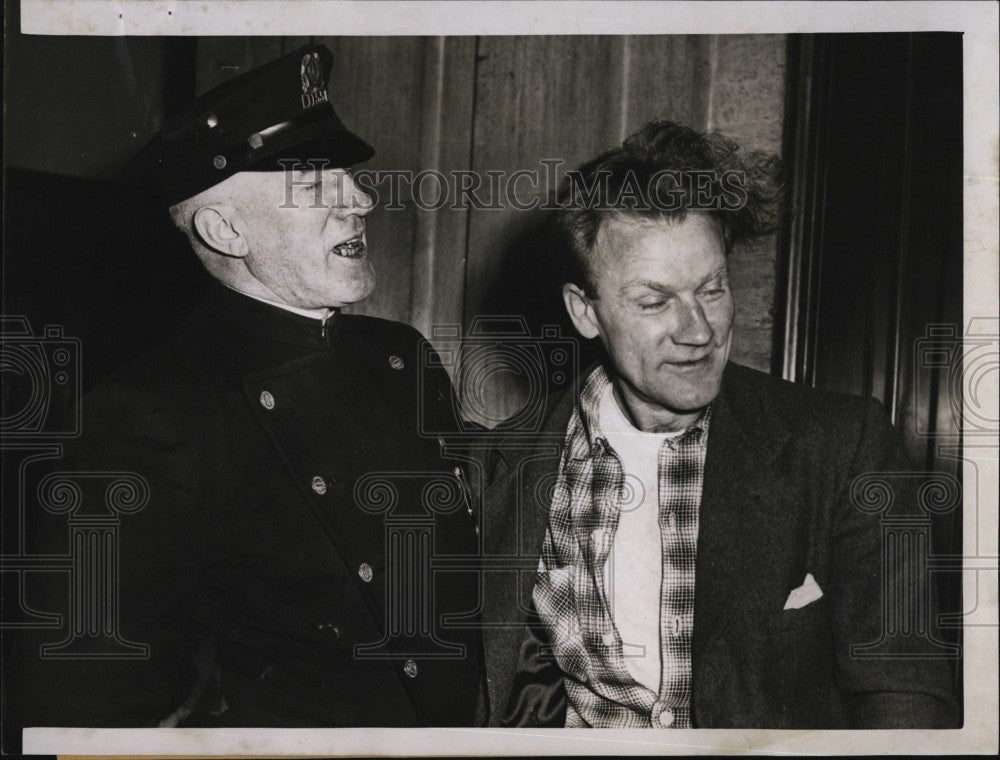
(581, 310)
(219, 228)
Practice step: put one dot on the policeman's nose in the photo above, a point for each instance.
(355, 201)
(693, 328)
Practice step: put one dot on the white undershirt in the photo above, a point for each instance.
(321, 314)
(633, 572)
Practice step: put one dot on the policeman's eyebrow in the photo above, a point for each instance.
(312, 173)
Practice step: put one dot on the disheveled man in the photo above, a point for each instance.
(700, 562)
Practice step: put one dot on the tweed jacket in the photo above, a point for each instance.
(777, 505)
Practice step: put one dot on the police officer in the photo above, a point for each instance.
(282, 572)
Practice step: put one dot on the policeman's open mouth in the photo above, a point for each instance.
(354, 248)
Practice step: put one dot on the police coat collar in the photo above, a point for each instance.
(271, 321)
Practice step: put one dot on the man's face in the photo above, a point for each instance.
(305, 234)
(664, 312)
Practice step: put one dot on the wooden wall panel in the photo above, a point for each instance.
(376, 87)
(446, 146)
(537, 98)
(747, 95)
(668, 78)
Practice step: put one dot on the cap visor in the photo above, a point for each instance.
(339, 149)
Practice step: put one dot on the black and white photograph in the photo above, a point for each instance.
(444, 387)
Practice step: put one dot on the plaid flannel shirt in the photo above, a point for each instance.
(570, 596)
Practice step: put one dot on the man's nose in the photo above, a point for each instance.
(353, 200)
(693, 328)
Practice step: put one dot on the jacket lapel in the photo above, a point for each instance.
(516, 501)
(744, 522)
(744, 518)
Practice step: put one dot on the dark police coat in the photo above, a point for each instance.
(777, 504)
(285, 460)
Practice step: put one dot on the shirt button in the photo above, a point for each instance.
(365, 572)
(267, 400)
(599, 536)
(608, 639)
(677, 625)
(410, 668)
(319, 485)
(666, 718)
(672, 522)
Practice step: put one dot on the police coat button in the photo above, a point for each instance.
(365, 572)
(212, 121)
(410, 668)
(219, 162)
(268, 674)
(330, 628)
(319, 485)
(396, 363)
(266, 400)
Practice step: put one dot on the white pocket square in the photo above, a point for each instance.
(805, 594)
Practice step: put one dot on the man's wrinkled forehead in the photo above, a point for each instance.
(620, 231)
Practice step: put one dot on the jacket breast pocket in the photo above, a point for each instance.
(812, 615)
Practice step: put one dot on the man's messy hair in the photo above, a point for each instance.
(665, 171)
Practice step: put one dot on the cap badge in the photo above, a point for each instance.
(313, 87)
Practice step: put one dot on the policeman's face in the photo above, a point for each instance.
(664, 312)
(305, 233)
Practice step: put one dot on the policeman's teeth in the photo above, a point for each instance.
(350, 249)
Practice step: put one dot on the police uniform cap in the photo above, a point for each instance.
(280, 110)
